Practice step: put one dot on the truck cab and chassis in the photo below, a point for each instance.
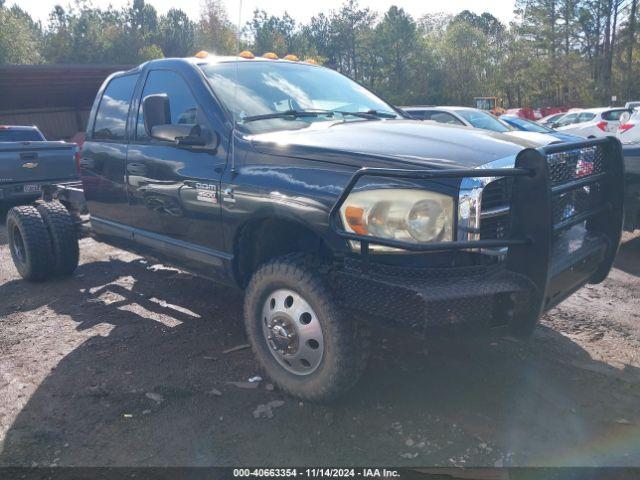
(331, 209)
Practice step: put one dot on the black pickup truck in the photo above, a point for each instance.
(331, 209)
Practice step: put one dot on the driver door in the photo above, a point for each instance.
(173, 189)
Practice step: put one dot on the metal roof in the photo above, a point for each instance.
(44, 86)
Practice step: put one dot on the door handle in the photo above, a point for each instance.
(136, 168)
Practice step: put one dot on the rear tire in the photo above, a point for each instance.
(318, 366)
(64, 237)
(29, 243)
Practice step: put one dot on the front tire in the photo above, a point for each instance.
(304, 342)
(29, 243)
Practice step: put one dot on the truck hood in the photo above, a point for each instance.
(396, 143)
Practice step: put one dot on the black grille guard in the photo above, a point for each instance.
(532, 229)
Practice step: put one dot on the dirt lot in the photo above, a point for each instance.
(124, 364)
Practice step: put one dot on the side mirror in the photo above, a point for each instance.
(156, 111)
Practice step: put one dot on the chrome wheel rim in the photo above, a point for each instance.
(292, 332)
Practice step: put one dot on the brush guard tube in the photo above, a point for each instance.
(549, 266)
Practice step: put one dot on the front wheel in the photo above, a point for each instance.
(307, 345)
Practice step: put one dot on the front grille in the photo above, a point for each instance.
(575, 202)
(495, 196)
(563, 167)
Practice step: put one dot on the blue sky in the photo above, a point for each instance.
(301, 10)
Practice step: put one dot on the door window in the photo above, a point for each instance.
(111, 117)
(568, 119)
(182, 104)
(613, 115)
(585, 117)
(444, 117)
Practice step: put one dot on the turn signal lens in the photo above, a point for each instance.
(202, 54)
(270, 56)
(355, 219)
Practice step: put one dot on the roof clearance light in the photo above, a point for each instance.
(270, 56)
(246, 54)
(311, 61)
(291, 58)
(202, 54)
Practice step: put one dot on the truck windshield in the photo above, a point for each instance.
(15, 135)
(259, 91)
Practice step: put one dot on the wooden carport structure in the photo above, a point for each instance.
(56, 98)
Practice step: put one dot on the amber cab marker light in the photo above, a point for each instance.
(202, 54)
(246, 54)
(311, 61)
(355, 219)
(270, 56)
(291, 58)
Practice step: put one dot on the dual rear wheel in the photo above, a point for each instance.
(43, 241)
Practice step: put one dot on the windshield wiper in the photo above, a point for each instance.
(370, 114)
(287, 114)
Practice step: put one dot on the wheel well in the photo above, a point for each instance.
(262, 240)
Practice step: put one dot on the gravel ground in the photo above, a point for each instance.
(125, 364)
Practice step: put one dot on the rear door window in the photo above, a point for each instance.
(111, 117)
(613, 115)
(182, 104)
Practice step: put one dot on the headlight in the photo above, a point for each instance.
(416, 216)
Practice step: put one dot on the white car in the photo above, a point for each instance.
(591, 122)
(475, 118)
(551, 119)
(629, 129)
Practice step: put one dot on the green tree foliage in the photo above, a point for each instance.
(270, 33)
(176, 35)
(20, 37)
(555, 52)
(215, 32)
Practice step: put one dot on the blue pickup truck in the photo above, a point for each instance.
(331, 209)
(28, 161)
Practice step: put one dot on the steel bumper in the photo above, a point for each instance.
(552, 251)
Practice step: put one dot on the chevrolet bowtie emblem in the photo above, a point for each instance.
(29, 165)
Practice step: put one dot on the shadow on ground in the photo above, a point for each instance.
(628, 259)
(422, 402)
